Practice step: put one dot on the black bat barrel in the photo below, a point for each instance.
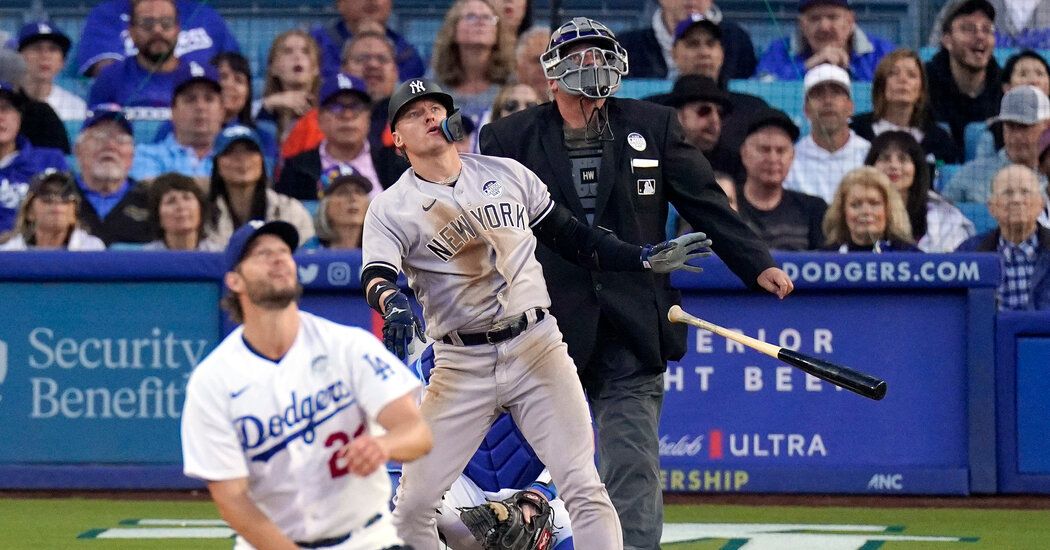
(854, 381)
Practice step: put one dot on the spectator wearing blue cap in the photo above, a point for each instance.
(344, 120)
(354, 16)
(144, 83)
(107, 39)
(44, 48)
(113, 206)
(650, 48)
(827, 34)
(240, 190)
(340, 216)
(196, 117)
(19, 161)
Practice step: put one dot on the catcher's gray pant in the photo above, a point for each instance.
(532, 377)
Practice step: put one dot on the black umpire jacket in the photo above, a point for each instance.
(633, 194)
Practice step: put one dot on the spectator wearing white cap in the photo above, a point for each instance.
(44, 48)
(197, 115)
(1024, 114)
(831, 149)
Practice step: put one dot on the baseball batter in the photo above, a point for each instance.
(278, 418)
(503, 465)
(463, 228)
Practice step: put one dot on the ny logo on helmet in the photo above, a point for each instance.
(417, 87)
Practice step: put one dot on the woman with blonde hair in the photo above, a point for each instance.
(473, 55)
(867, 215)
(293, 79)
(901, 101)
(47, 218)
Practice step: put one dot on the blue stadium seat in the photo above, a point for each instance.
(972, 136)
(978, 213)
(311, 206)
(637, 88)
(944, 174)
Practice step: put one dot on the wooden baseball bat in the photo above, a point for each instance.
(844, 377)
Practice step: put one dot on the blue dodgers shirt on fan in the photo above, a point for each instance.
(17, 170)
(203, 34)
(145, 95)
(281, 424)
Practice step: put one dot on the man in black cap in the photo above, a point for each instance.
(702, 109)
(44, 48)
(784, 219)
(964, 75)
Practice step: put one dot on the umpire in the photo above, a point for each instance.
(617, 163)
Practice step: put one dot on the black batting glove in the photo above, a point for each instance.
(399, 325)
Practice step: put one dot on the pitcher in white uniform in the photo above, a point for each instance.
(279, 418)
(463, 229)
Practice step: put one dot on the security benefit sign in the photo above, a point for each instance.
(735, 420)
(97, 372)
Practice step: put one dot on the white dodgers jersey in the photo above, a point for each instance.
(280, 424)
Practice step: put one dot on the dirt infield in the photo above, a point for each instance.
(1003, 502)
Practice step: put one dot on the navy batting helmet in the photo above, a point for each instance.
(414, 89)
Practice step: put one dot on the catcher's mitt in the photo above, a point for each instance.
(501, 525)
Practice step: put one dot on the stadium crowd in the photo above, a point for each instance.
(174, 152)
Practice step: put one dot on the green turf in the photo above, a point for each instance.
(998, 529)
(56, 523)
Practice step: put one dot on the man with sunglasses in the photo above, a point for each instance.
(618, 164)
(144, 83)
(344, 118)
(106, 38)
(702, 109)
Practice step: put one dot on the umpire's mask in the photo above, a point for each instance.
(595, 71)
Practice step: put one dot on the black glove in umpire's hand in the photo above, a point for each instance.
(502, 525)
(399, 325)
(672, 255)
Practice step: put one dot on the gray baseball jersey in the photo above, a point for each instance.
(470, 245)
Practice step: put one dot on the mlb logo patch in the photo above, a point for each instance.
(647, 187)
